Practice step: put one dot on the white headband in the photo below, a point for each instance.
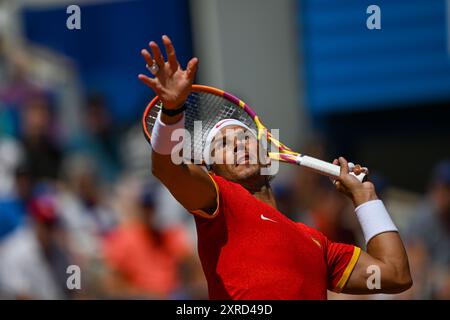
(215, 130)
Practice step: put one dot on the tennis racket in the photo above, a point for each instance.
(210, 105)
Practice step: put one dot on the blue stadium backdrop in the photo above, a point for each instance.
(107, 48)
(351, 68)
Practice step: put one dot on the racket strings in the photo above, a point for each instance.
(207, 108)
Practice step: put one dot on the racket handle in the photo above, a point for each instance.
(325, 168)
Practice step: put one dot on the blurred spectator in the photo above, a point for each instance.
(428, 239)
(42, 154)
(85, 216)
(306, 183)
(145, 257)
(99, 140)
(32, 260)
(331, 214)
(83, 199)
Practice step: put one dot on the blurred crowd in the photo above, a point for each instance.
(70, 200)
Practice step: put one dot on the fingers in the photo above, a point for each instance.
(148, 81)
(344, 166)
(351, 165)
(159, 59)
(339, 186)
(170, 51)
(191, 68)
(357, 169)
(344, 181)
(336, 162)
(147, 57)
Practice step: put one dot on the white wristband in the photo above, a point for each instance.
(162, 135)
(374, 219)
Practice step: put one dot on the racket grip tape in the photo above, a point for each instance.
(325, 168)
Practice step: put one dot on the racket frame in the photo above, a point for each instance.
(286, 154)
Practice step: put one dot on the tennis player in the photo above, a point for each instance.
(248, 249)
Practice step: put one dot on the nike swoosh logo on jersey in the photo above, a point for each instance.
(267, 219)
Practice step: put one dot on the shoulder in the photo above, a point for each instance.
(231, 197)
(223, 182)
(311, 231)
(227, 188)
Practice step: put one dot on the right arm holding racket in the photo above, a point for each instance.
(194, 189)
(188, 183)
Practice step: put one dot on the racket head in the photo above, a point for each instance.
(208, 105)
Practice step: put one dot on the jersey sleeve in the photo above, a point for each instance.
(341, 260)
(203, 214)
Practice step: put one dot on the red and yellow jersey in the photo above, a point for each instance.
(249, 250)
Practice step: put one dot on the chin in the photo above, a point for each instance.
(247, 171)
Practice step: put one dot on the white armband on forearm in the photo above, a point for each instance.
(162, 135)
(374, 219)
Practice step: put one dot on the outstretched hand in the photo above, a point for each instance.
(349, 185)
(171, 83)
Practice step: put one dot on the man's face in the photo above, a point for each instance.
(235, 153)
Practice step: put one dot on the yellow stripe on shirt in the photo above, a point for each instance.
(348, 270)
